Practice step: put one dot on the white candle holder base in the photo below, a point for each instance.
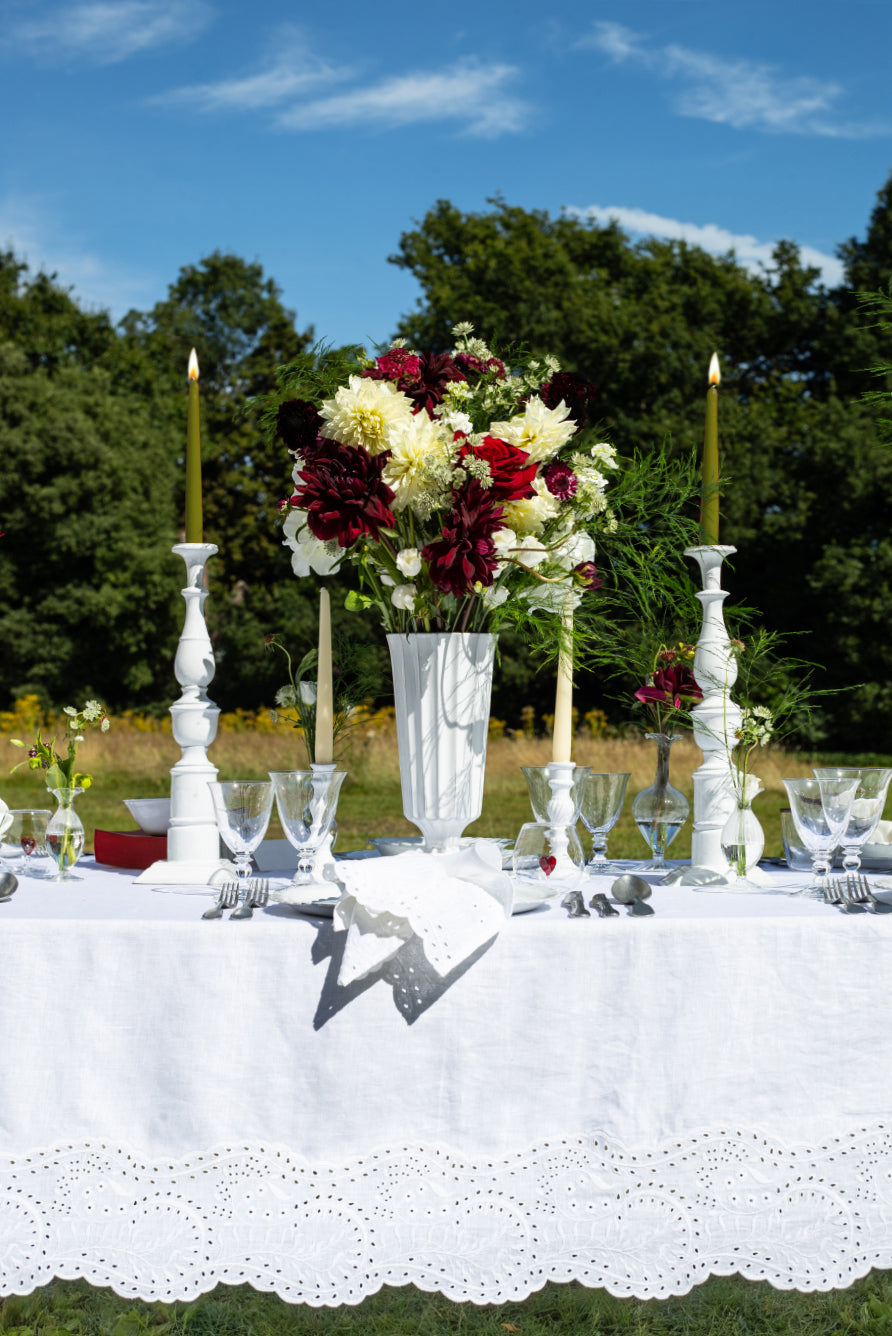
(561, 815)
(325, 869)
(193, 839)
(716, 720)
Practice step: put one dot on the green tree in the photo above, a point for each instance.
(86, 503)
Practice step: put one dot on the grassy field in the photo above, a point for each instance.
(133, 760)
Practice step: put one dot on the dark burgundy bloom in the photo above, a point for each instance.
(675, 686)
(398, 365)
(560, 480)
(511, 471)
(576, 392)
(343, 494)
(466, 553)
(298, 424)
(468, 363)
(435, 373)
(587, 575)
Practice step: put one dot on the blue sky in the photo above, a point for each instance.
(139, 135)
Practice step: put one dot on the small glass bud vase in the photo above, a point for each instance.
(65, 836)
(743, 839)
(660, 810)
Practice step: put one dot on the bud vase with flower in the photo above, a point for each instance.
(743, 839)
(661, 810)
(65, 830)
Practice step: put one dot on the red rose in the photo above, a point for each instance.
(511, 470)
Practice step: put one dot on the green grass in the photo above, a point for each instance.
(720, 1307)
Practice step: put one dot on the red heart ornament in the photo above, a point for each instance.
(29, 844)
(548, 863)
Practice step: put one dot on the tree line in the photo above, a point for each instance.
(92, 435)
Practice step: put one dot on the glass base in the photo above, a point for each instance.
(63, 876)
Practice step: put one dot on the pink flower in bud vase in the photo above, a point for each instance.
(674, 686)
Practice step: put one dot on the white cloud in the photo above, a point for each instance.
(739, 93)
(751, 253)
(28, 229)
(292, 71)
(470, 93)
(109, 31)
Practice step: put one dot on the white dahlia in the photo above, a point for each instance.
(364, 412)
(539, 430)
(528, 515)
(418, 450)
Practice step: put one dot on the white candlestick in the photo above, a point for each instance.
(562, 738)
(323, 751)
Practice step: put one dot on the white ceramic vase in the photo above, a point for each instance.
(442, 684)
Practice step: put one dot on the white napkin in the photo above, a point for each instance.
(452, 902)
(5, 817)
(883, 833)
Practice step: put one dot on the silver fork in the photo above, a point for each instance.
(836, 892)
(228, 898)
(857, 889)
(256, 896)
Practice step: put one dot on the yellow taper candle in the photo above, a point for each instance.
(709, 478)
(194, 524)
(562, 737)
(323, 752)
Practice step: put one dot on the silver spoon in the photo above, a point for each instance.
(8, 884)
(632, 891)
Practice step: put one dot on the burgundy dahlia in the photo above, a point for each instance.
(434, 374)
(343, 494)
(298, 424)
(576, 392)
(466, 554)
(511, 471)
(560, 480)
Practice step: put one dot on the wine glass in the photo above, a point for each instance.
(242, 808)
(28, 828)
(602, 802)
(539, 784)
(820, 809)
(867, 809)
(547, 858)
(306, 801)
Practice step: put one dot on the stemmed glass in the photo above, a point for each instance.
(820, 809)
(867, 809)
(539, 785)
(242, 808)
(28, 828)
(548, 858)
(602, 802)
(306, 801)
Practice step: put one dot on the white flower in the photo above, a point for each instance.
(69, 709)
(494, 596)
(364, 412)
(298, 465)
(528, 515)
(308, 553)
(504, 540)
(573, 549)
(92, 710)
(539, 430)
(404, 597)
(456, 420)
(105, 726)
(408, 560)
(417, 446)
(463, 329)
(553, 364)
(530, 552)
(386, 579)
(604, 454)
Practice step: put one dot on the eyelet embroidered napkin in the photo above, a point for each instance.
(452, 903)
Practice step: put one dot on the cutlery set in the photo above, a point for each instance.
(628, 890)
(256, 896)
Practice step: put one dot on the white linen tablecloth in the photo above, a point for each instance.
(633, 1103)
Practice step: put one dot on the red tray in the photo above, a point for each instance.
(128, 848)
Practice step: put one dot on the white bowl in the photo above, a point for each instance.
(152, 815)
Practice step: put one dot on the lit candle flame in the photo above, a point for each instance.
(715, 376)
(193, 365)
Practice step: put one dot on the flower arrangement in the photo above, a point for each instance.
(59, 771)
(356, 680)
(756, 729)
(671, 689)
(459, 488)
